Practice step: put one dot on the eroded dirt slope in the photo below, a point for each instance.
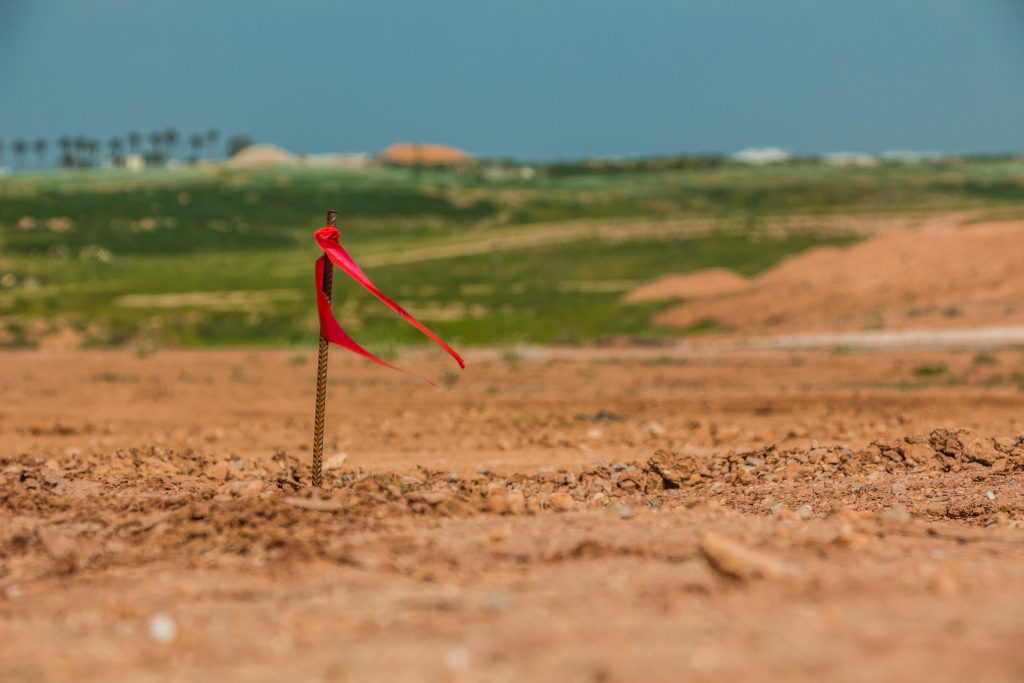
(949, 276)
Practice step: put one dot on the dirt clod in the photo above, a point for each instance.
(561, 502)
(737, 561)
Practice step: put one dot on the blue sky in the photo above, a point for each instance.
(533, 79)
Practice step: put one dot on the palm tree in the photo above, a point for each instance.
(116, 146)
(156, 140)
(64, 142)
(39, 146)
(171, 140)
(196, 142)
(134, 142)
(81, 151)
(212, 136)
(20, 147)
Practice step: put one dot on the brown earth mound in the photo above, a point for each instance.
(418, 153)
(940, 277)
(700, 284)
(260, 156)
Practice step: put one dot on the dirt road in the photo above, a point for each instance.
(564, 232)
(771, 516)
(968, 339)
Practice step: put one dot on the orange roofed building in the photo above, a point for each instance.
(415, 153)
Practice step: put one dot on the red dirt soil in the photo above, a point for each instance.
(771, 517)
(936, 277)
(420, 153)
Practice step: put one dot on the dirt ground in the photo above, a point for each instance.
(939, 275)
(770, 516)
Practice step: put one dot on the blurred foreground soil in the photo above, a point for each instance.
(770, 516)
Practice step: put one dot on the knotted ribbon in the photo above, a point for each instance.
(327, 239)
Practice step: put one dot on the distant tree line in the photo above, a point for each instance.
(155, 149)
(611, 166)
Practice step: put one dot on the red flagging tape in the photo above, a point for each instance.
(327, 239)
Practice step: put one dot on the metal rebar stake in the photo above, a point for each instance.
(321, 373)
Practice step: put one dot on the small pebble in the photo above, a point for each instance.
(561, 502)
(805, 512)
(897, 514)
(991, 496)
(162, 629)
(218, 471)
(943, 584)
(623, 511)
(335, 462)
(737, 561)
(516, 502)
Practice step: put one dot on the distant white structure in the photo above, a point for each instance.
(134, 162)
(500, 172)
(861, 159)
(352, 161)
(265, 156)
(761, 155)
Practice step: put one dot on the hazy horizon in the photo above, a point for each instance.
(530, 80)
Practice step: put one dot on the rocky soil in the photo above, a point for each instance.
(751, 517)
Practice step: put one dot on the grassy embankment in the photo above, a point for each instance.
(195, 257)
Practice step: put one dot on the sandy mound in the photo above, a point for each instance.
(259, 156)
(939, 277)
(700, 284)
(417, 153)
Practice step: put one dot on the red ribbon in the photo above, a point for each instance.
(327, 239)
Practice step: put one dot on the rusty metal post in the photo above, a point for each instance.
(321, 374)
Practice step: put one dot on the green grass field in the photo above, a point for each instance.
(191, 257)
